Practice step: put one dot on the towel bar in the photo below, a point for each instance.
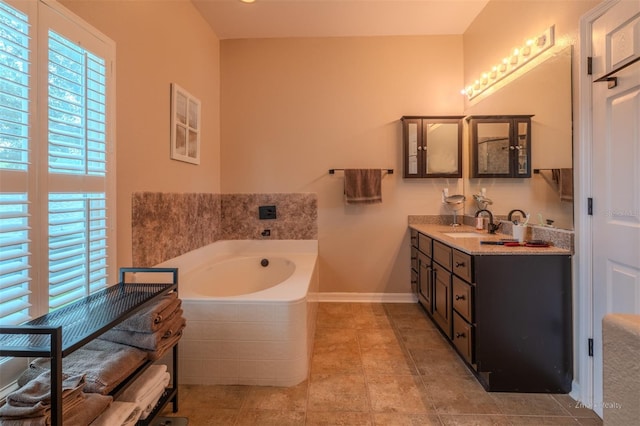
(332, 171)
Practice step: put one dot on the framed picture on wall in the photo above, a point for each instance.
(185, 126)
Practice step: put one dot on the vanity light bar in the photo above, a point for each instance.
(517, 59)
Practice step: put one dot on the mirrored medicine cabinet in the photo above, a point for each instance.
(500, 146)
(432, 146)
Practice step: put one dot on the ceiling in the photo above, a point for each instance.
(232, 19)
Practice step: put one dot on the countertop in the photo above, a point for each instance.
(471, 245)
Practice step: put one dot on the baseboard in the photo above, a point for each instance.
(367, 297)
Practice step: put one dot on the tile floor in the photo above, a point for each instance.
(378, 364)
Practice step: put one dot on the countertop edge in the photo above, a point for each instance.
(472, 246)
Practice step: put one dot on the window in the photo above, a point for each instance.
(57, 201)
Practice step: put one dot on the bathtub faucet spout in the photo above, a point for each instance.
(266, 233)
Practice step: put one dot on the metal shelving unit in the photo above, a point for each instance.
(61, 332)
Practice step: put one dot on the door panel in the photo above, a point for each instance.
(615, 174)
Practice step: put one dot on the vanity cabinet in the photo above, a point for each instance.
(500, 146)
(421, 270)
(507, 315)
(432, 146)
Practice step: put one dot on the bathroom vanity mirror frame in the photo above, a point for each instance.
(500, 146)
(432, 146)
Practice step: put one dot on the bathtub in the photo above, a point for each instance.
(248, 324)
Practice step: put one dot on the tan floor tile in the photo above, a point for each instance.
(336, 320)
(337, 392)
(277, 398)
(270, 418)
(324, 418)
(205, 416)
(440, 363)
(533, 404)
(335, 336)
(336, 308)
(371, 308)
(378, 362)
(542, 421)
(344, 361)
(475, 420)
(398, 394)
(459, 395)
(413, 323)
(370, 320)
(218, 396)
(574, 408)
(404, 309)
(397, 419)
(378, 338)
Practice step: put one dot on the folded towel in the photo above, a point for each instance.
(362, 186)
(164, 345)
(92, 406)
(150, 319)
(133, 417)
(152, 399)
(118, 413)
(145, 384)
(32, 402)
(104, 363)
(147, 341)
(38, 390)
(33, 421)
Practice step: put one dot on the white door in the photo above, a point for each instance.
(615, 172)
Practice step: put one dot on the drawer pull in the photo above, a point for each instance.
(460, 336)
(459, 264)
(459, 296)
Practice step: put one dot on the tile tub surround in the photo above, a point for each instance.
(297, 216)
(166, 225)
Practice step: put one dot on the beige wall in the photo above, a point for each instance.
(157, 43)
(290, 109)
(294, 108)
(502, 26)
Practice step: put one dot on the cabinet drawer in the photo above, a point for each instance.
(442, 254)
(463, 337)
(424, 244)
(414, 237)
(462, 265)
(463, 299)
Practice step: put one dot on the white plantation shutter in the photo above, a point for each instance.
(77, 246)
(77, 158)
(15, 82)
(77, 108)
(57, 195)
(14, 259)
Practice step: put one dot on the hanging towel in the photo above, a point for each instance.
(565, 184)
(362, 186)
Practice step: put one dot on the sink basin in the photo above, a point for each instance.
(464, 234)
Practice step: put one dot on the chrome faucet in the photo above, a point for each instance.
(491, 227)
(522, 215)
